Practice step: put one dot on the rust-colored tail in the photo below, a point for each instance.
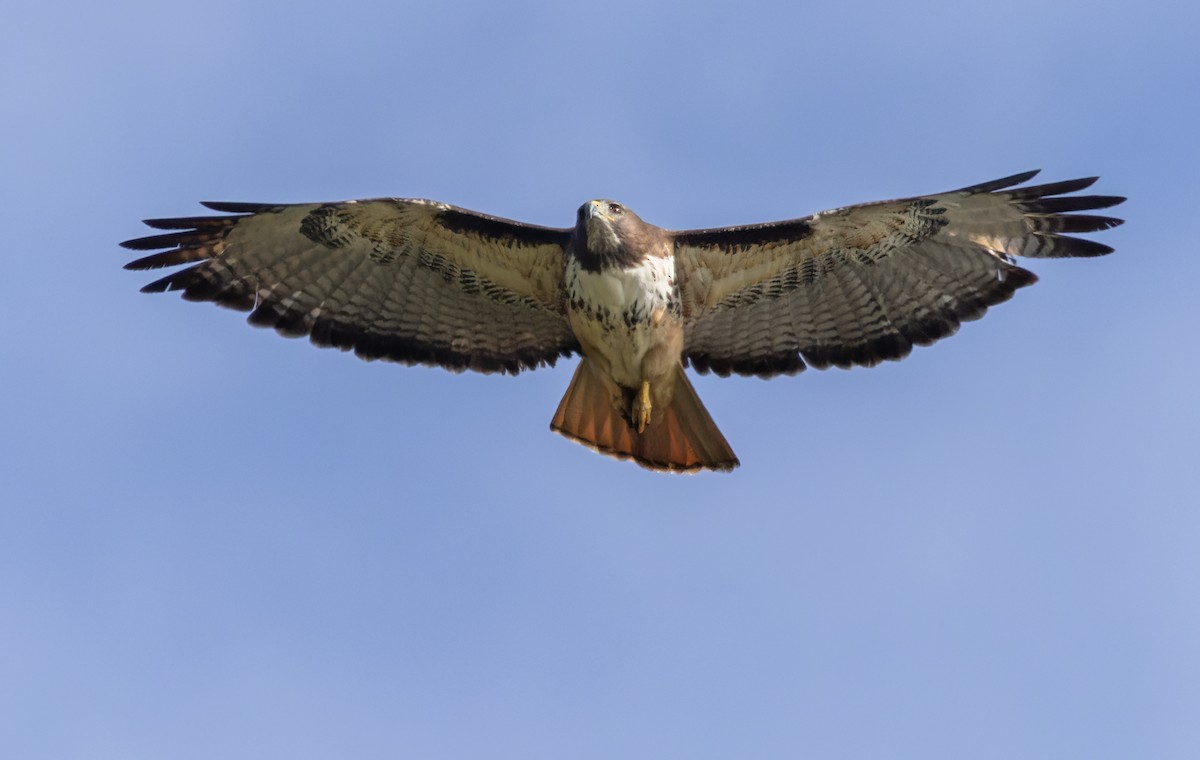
(683, 438)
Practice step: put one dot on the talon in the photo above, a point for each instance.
(642, 407)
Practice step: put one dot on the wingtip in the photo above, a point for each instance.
(1002, 183)
(168, 223)
(158, 286)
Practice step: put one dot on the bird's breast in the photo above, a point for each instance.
(630, 295)
(623, 312)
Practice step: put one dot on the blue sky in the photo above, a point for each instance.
(219, 543)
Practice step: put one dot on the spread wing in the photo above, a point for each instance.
(411, 281)
(858, 285)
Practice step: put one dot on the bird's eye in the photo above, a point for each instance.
(615, 208)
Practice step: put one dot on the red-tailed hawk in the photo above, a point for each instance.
(416, 281)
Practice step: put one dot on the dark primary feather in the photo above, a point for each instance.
(403, 280)
(1004, 182)
(863, 284)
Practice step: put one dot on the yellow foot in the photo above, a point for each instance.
(641, 407)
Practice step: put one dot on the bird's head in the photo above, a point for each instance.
(608, 233)
(600, 224)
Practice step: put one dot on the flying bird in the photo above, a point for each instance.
(422, 282)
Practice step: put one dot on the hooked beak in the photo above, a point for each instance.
(596, 209)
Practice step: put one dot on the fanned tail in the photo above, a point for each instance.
(683, 438)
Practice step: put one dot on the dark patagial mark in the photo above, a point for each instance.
(731, 239)
(501, 230)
